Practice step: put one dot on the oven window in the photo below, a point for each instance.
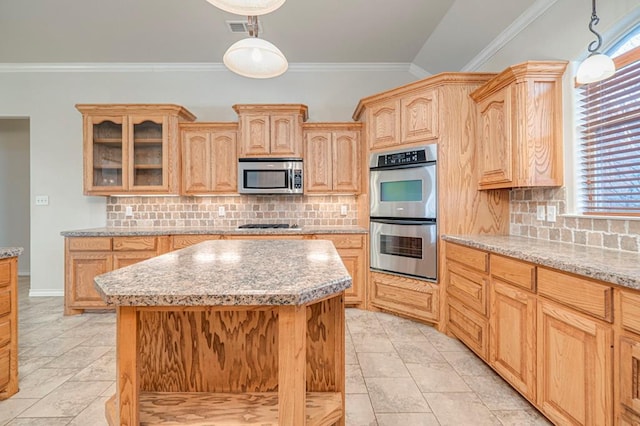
(265, 179)
(401, 246)
(401, 190)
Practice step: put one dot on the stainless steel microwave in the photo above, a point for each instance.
(270, 176)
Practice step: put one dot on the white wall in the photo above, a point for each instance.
(48, 99)
(14, 188)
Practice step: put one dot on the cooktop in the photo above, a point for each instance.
(268, 226)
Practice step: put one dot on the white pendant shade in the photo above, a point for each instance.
(595, 68)
(255, 58)
(247, 7)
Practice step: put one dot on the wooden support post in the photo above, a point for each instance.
(292, 336)
(127, 366)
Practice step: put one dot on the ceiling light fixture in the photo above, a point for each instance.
(247, 7)
(254, 57)
(597, 66)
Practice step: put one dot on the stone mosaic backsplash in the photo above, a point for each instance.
(238, 210)
(620, 234)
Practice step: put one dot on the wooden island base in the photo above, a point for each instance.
(230, 365)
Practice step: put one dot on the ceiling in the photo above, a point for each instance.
(434, 35)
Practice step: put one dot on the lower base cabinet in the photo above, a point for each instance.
(512, 335)
(8, 327)
(574, 366)
(404, 296)
(469, 326)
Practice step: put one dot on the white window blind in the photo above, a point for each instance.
(610, 142)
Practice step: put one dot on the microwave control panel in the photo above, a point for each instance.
(297, 179)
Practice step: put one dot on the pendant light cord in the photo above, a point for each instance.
(594, 45)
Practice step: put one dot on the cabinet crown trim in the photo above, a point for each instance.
(519, 73)
(272, 108)
(124, 109)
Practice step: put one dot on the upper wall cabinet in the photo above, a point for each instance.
(132, 148)
(332, 157)
(209, 158)
(519, 137)
(269, 130)
(412, 117)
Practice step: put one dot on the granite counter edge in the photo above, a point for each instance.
(131, 232)
(8, 252)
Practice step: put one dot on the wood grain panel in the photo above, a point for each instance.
(134, 243)
(216, 360)
(585, 295)
(122, 259)
(89, 244)
(468, 285)
(245, 409)
(384, 124)
(470, 327)
(182, 241)
(516, 272)
(630, 373)
(342, 241)
(127, 367)
(292, 351)
(5, 273)
(5, 361)
(414, 298)
(323, 344)
(5, 331)
(196, 158)
(630, 311)
(318, 161)
(468, 256)
(5, 302)
(419, 116)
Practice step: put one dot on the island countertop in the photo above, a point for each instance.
(7, 252)
(230, 273)
(614, 266)
(197, 230)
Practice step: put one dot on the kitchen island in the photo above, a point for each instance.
(230, 332)
(9, 321)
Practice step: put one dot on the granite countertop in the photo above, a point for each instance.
(6, 252)
(614, 266)
(138, 231)
(230, 273)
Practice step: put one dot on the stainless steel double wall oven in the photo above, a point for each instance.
(403, 212)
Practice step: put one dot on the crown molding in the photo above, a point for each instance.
(196, 67)
(418, 72)
(521, 22)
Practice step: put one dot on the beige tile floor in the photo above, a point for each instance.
(398, 373)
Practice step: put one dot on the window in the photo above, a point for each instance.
(609, 148)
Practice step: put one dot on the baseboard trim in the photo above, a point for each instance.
(24, 273)
(45, 293)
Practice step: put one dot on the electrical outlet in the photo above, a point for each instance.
(551, 213)
(42, 200)
(221, 211)
(540, 214)
(343, 210)
(128, 211)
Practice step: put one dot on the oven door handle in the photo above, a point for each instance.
(404, 222)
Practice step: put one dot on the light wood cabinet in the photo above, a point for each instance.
(131, 148)
(405, 296)
(269, 130)
(519, 137)
(628, 357)
(209, 158)
(408, 118)
(512, 331)
(86, 257)
(8, 327)
(332, 157)
(574, 366)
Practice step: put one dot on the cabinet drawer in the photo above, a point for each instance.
(5, 273)
(579, 293)
(468, 256)
(629, 312)
(516, 272)
(5, 357)
(5, 302)
(470, 327)
(134, 243)
(418, 299)
(5, 331)
(469, 286)
(342, 241)
(182, 241)
(89, 244)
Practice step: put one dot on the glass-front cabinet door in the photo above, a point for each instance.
(149, 153)
(107, 159)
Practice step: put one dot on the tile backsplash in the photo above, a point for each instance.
(621, 234)
(238, 210)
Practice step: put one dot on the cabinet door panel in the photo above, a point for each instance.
(83, 267)
(496, 139)
(354, 263)
(196, 152)
(630, 373)
(318, 167)
(574, 366)
(255, 134)
(120, 260)
(5, 365)
(419, 115)
(284, 137)
(512, 331)
(384, 124)
(223, 159)
(468, 286)
(346, 161)
(405, 296)
(105, 153)
(149, 145)
(469, 326)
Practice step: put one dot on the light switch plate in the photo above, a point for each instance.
(540, 214)
(551, 213)
(221, 211)
(42, 200)
(343, 210)
(128, 211)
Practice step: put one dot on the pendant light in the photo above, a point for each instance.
(247, 7)
(254, 57)
(597, 66)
